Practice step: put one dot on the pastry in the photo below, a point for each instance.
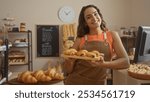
(40, 76)
(82, 53)
(51, 72)
(26, 77)
(91, 55)
(98, 53)
(70, 52)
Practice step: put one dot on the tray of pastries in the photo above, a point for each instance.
(16, 54)
(16, 61)
(39, 77)
(139, 71)
(83, 54)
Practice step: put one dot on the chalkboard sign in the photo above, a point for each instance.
(47, 40)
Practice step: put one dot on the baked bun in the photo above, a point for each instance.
(82, 53)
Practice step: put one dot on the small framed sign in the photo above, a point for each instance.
(47, 40)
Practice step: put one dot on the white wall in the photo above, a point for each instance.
(140, 12)
(116, 13)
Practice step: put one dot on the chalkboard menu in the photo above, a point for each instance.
(47, 40)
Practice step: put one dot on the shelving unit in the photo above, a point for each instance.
(10, 45)
(21, 51)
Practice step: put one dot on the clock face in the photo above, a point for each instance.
(66, 14)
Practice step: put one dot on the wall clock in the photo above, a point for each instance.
(66, 14)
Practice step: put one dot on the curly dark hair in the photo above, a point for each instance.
(82, 29)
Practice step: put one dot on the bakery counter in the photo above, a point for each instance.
(121, 77)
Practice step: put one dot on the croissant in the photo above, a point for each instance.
(70, 51)
(51, 72)
(40, 76)
(26, 77)
(58, 76)
(91, 54)
(82, 53)
(98, 53)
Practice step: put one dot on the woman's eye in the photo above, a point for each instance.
(96, 14)
(88, 17)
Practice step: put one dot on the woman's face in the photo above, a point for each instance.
(92, 18)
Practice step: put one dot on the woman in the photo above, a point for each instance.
(92, 34)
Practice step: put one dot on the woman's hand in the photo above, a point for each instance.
(99, 63)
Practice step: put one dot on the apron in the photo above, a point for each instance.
(83, 73)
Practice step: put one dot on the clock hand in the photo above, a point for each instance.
(68, 12)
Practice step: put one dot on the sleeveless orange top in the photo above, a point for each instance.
(99, 37)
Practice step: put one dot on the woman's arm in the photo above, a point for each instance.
(122, 60)
(69, 62)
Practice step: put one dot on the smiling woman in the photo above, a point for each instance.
(92, 34)
(66, 14)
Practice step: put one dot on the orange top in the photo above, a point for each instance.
(99, 37)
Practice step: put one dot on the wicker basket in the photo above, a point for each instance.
(139, 76)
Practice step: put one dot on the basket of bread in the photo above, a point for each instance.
(83, 54)
(38, 77)
(139, 71)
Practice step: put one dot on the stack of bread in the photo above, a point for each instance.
(69, 35)
(84, 53)
(20, 40)
(16, 57)
(40, 76)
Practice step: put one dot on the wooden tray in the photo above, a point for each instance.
(139, 76)
(80, 57)
(15, 82)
